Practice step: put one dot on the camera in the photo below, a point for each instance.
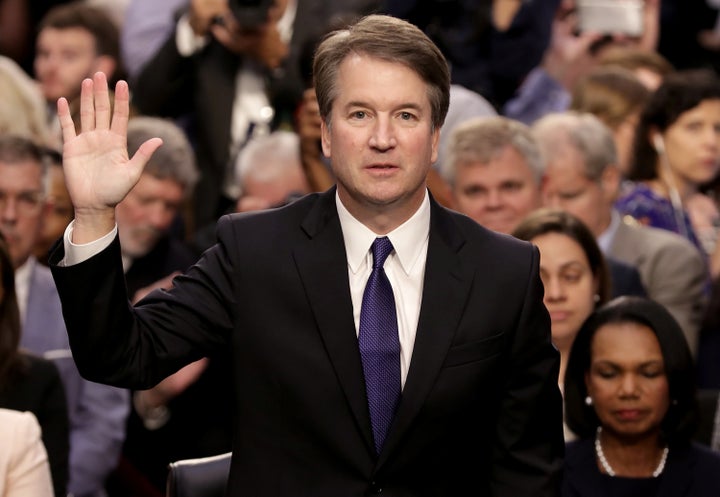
(250, 13)
(611, 16)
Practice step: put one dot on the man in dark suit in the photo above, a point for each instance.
(431, 373)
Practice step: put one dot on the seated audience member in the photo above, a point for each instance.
(97, 412)
(144, 218)
(269, 174)
(581, 177)
(60, 212)
(573, 272)
(630, 397)
(29, 383)
(74, 41)
(648, 66)
(677, 150)
(22, 106)
(616, 97)
(24, 468)
(493, 167)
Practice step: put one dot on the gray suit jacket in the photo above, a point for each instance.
(672, 270)
(97, 412)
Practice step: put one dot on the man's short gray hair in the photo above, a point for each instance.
(484, 138)
(583, 132)
(268, 155)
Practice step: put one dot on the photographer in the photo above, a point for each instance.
(233, 70)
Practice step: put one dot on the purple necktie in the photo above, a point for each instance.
(380, 345)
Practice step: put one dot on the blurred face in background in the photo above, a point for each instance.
(497, 194)
(147, 212)
(22, 207)
(627, 380)
(64, 57)
(59, 214)
(570, 285)
(692, 146)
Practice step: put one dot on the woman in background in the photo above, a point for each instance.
(24, 469)
(630, 398)
(676, 151)
(573, 272)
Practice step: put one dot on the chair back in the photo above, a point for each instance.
(202, 477)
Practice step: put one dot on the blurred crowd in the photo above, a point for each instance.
(593, 134)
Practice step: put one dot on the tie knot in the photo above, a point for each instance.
(381, 248)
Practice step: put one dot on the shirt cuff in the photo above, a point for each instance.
(77, 253)
(185, 38)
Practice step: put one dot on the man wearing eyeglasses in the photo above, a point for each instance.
(97, 412)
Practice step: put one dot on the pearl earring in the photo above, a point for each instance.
(588, 401)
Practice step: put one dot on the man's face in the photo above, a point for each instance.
(146, 214)
(566, 187)
(497, 194)
(64, 58)
(380, 138)
(21, 207)
(263, 192)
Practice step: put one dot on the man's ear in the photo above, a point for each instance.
(610, 182)
(325, 140)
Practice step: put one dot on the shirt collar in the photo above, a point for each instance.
(408, 239)
(606, 237)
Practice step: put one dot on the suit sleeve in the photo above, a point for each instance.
(679, 282)
(529, 446)
(136, 347)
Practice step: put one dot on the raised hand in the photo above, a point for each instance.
(98, 172)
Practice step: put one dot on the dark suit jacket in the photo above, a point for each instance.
(690, 471)
(480, 411)
(624, 279)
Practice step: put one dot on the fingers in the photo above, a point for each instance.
(94, 103)
(87, 106)
(102, 101)
(66, 122)
(144, 153)
(121, 112)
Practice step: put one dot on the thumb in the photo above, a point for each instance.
(143, 154)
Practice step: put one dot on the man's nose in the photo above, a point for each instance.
(383, 134)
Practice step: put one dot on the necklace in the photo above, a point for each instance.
(606, 465)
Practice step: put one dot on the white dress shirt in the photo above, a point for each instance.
(405, 268)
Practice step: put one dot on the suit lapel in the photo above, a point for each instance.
(322, 264)
(445, 291)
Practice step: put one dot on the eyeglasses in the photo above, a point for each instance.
(26, 203)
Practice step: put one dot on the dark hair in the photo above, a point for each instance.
(546, 220)
(11, 361)
(680, 419)
(386, 38)
(95, 20)
(679, 93)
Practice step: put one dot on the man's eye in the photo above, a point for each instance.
(406, 116)
(359, 114)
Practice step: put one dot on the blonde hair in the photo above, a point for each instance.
(22, 107)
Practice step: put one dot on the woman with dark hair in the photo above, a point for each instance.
(630, 398)
(29, 383)
(572, 269)
(676, 151)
